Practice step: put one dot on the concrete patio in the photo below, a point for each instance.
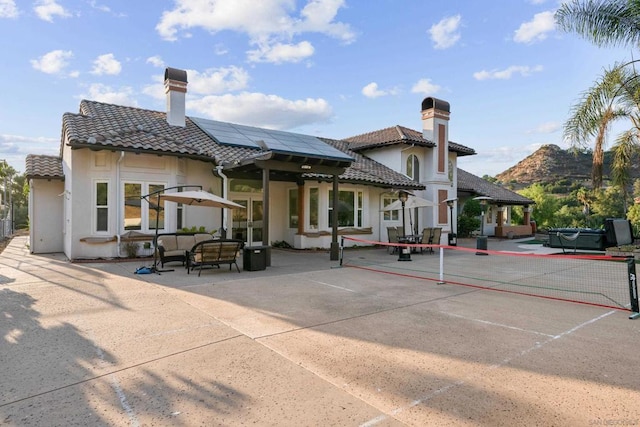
(303, 342)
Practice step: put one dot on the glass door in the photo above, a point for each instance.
(247, 223)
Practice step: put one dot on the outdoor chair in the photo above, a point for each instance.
(435, 237)
(392, 233)
(426, 238)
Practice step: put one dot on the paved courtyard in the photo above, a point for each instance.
(303, 342)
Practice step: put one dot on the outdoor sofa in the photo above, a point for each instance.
(214, 253)
(175, 246)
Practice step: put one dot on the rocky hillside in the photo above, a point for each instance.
(551, 163)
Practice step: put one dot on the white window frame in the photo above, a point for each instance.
(415, 164)
(389, 215)
(96, 207)
(145, 210)
(358, 202)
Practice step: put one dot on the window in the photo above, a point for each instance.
(413, 167)
(314, 195)
(140, 214)
(102, 207)
(155, 216)
(350, 212)
(132, 206)
(293, 208)
(389, 215)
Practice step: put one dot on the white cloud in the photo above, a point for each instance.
(8, 9)
(270, 24)
(425, 87)
(213, 81)
(548, 127)
(103, 93)
(156, 61)
(268, 111)
(53, 62)
(279, 52)
(47, 9)
(445, 33)
(536, 29)
(217, 80)
(373, 91)
(14, 148)
(507, 73)
(106, 64)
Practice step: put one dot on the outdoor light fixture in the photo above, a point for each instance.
(305, 167)
(452, 235)
(405, 252)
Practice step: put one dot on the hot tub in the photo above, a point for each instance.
(592, 239)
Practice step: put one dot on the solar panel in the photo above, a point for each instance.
(274, 140)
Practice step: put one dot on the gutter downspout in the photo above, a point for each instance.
(224, 195)
(118, 201)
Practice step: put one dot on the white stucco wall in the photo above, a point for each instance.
(45, 216)
(84, 168)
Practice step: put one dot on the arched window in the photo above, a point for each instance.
(413, 167)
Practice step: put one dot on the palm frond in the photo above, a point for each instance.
(604, 22)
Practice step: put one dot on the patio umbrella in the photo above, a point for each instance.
(191, 198)
(411, 203)
(200, 198)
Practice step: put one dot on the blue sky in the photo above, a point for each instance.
(332, 68)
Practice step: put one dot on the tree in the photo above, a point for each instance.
(604, 23)
(545, 207)
(615, 96)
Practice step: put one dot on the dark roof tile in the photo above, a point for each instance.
(399, 135)
(45, 167)
(476, 185)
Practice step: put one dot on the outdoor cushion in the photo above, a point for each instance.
(168, 243)
(185, 242)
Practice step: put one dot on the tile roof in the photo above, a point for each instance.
(108, 126)
(41, 166)
(365, 170)
(476, 185)
(399, 135)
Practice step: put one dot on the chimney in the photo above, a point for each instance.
(175, 86)
(435, 128)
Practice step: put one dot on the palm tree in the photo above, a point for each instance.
(604, 22)
(616, 95)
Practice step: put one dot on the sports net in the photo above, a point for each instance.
(598, 280)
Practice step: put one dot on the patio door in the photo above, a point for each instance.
(247, 223)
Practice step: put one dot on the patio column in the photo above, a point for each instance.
(500, 216)
(527, 215)
(265, 206)
(335, 248)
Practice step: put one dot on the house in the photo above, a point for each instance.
(89, 200)
(499, 207)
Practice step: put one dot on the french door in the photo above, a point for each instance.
(247, 223)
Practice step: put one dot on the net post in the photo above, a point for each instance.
(441, 277)
(633, 288)
(341, 252)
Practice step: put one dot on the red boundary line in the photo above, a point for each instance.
(491, 289)
(459, 248)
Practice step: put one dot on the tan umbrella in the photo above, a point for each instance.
(412, 202)
(200, 198)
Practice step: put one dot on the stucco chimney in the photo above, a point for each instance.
(175, 86)
(435, 128)
(434, 111)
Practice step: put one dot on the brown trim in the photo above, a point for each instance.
(441, 147)
(442, 207)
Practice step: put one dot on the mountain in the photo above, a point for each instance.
(551, 163)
